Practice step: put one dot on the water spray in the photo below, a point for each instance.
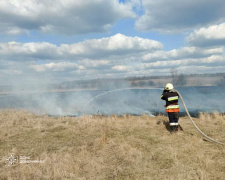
(115, 90)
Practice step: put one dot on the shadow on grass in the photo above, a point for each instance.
(167, 125)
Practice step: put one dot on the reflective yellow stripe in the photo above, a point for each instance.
(173, 107)
(173, 110)
(173, 98)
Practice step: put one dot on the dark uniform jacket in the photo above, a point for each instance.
(171, 97)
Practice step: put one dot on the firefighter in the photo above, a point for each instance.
(172, 108)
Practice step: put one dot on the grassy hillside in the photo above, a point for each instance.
(96, 147)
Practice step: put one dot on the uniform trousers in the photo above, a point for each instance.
(173, 118)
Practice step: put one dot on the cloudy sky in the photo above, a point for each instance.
(62, 40)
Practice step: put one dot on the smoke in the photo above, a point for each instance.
(203, 99)
(36, 95)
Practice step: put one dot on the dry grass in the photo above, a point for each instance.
(94, 147)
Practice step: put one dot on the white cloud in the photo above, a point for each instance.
(185, 52)
(178, 16)
(60, 66)
(115, 56)
(94, 57)
(15, 47)
(15, 51)
(208, 36)
(117, 45)
(60, 16)
(211, 61)
(10, 72)
(15, 31)
(120, 68)
(94, 63)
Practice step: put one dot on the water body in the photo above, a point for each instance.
(127, 101)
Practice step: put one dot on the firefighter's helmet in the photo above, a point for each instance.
(169, 86)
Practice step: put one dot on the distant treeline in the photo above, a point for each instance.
(147, 81)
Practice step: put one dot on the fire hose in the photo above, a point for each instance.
(209, 138)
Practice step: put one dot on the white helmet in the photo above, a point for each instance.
(169, 86)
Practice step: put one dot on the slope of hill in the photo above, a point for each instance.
(97, 147)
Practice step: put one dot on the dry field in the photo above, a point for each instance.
(97, 147)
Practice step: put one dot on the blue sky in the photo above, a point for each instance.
(70, 40)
